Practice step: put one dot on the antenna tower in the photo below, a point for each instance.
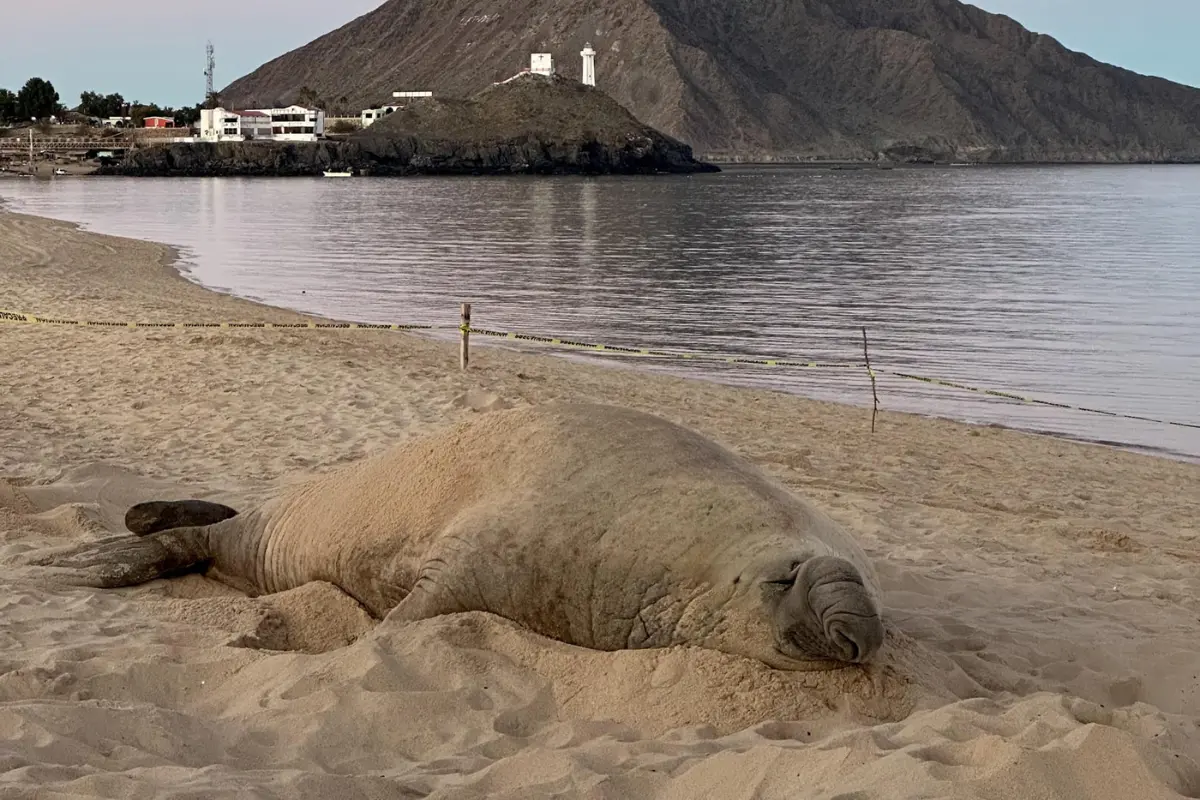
(210, 65)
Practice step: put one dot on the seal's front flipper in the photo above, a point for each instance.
(129, 560)
(162, 515)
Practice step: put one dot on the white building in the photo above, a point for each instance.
(226, 125)
(541, 64)
(291, 124)
(589, 64)
(296, 123)
(372, 115)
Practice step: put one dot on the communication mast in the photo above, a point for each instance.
(210, 65)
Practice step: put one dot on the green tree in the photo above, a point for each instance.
(8, 106)
(139, 112)
(187, 116)
(89, 104)
(37, 99)
(98, 105)
(114, 104)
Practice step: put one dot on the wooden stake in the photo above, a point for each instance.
(871, 373)
(464, 350)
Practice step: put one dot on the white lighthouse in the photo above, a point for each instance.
(589, 64)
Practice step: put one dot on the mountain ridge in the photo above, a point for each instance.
(904, 80)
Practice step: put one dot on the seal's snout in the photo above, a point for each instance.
(829, 611)
(857, 638)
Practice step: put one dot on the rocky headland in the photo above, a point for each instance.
(531, 125)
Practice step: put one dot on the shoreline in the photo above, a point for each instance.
(177, 261)
(1041, 594)
(169, 259)
(872, 164)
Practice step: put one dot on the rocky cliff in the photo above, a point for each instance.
(840, 79)
(531, 125)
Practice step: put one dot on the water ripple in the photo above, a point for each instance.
(1078, 285)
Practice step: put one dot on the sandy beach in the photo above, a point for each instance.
(1042, 596)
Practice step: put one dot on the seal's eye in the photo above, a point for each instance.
(790, 578)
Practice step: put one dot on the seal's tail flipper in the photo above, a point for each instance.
(162, 515)
(128, 560)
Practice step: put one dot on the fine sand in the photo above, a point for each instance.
(1042, 595)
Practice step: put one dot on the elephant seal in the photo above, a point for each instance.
(596, 525)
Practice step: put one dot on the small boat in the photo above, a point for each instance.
(333, 173)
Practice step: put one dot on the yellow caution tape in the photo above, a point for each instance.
(1036, 401)
(15, 316)
(608, 349)
(645, 352)
(595, 347)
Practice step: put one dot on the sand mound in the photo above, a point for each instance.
(314, 618)
(480, 400)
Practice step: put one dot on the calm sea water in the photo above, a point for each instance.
(1077, 285)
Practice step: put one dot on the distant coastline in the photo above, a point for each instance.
(405, 157)
(759, 160)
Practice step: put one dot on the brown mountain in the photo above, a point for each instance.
(906, 79)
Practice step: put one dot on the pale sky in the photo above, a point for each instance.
(153, 50)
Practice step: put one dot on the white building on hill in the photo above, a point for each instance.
(370, 116)
(291, 124)
(541, 63)
(227, 125)
(373, 115)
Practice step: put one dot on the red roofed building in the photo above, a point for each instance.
(158, 122)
